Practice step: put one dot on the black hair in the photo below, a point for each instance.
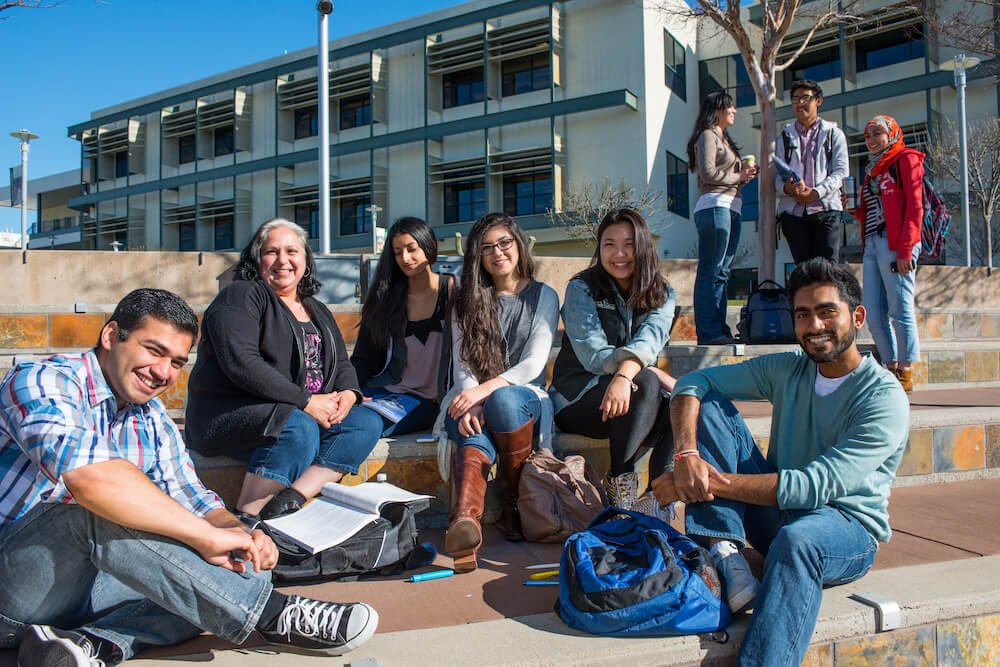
(160, 304)
(805, 84)
(384, 310)
(475, 304)
(708, 117)
(648, 288)
(822, 270)
(248, 266)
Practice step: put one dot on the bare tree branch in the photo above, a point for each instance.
(969, 25)
(583, 208)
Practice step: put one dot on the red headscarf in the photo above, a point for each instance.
(879, 161)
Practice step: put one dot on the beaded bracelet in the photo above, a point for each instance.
(631, 382)
(686, 453)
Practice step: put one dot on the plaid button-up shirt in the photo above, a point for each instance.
(60, 414)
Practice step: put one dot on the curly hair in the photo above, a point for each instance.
(475, 305)
(248, 266)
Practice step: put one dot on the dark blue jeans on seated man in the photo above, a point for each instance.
(64, 566)
(804, 550)
(506, 409)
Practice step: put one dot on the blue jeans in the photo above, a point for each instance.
(506, 409)
(302, 443)
(805, 550)
(888, 297)
(718, 238)
(62, 565)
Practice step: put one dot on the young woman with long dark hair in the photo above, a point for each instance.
(402, 339)
(503, 325)
(605, 382)
(715, 158)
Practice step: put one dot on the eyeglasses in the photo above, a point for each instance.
(488, 249)
(804, 99)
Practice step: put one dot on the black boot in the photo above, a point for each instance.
(284, 502)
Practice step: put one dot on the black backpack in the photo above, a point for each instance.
(386, 547)
(767, 317)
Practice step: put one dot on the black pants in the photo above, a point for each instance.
(813, 235)
(646, 423)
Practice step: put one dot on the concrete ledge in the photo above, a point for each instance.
(934, 601)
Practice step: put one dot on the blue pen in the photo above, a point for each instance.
(440, 574)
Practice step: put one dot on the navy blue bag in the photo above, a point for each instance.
(635, 576)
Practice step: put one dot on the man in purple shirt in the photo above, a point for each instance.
(110, 541)
(809, 209)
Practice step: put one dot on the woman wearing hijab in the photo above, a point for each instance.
(890, 212)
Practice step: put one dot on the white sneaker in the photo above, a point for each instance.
(648, 504)
(741, 585)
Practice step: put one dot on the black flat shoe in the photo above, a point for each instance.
(284, 502)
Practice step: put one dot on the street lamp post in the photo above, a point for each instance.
(959, 65)
(374, 210)
(324, 8)
(25, 136)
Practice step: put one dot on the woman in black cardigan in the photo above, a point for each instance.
(273, 383)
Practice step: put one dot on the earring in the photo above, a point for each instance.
(307, 273)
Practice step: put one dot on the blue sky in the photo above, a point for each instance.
(63, 63)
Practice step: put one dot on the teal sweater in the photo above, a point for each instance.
(841, 449)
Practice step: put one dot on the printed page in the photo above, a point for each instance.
(369, 496)
(322, 524)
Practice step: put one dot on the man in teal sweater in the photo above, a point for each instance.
(817, 505)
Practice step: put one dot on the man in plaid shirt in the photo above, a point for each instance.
(109, 542)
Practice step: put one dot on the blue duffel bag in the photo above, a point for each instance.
(632, 575)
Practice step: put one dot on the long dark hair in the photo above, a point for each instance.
(248, 266)
(475, 304)
(708, 117)
(384, 311)
(648, 288)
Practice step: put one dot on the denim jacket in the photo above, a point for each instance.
(600, 335)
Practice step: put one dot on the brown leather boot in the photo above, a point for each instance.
(469, 472)
(905, 378)
(513, 449)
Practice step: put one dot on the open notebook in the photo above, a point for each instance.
(338, 513)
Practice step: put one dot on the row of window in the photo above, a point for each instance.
(881, 50)
(222, 230)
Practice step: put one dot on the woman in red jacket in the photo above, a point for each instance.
(890, 212)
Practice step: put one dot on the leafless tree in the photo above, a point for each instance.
(28, 4)
(583, 208)
(759, 48)
(969, 25)
(944, 164)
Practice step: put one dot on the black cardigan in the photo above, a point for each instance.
(250, 374)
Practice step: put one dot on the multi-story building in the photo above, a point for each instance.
(488, 105)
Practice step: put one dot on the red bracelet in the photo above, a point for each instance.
(686, 453)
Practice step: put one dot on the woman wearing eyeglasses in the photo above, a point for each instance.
(503, 324)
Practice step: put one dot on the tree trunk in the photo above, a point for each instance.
(766, 234)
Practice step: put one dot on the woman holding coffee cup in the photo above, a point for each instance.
(715, 158)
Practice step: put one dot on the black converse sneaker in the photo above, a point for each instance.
(324, 626)
(45, 646)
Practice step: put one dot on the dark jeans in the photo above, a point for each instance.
(505, 410)
(648, 418)
(719, 232)
(813, 235)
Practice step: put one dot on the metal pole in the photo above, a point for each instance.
(323, 75)
(963, 148)
(374, 209)
(24, 194)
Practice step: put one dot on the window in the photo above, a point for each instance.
(463, 87)
(224, 140)
(750, 194)
(121, 164)
(527, 194)
(522, 75)
(307, 217)
(464, 200)
(816, 65)
(224, 232)
(677, 186)
(728, 74)
(186, 149)
(673, 55)
(355, 111)
(306, 122)
(354, 219)
(186, 236)
(888, 48)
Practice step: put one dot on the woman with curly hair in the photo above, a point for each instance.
(503, 324)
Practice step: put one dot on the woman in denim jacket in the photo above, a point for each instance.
(605, 383)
